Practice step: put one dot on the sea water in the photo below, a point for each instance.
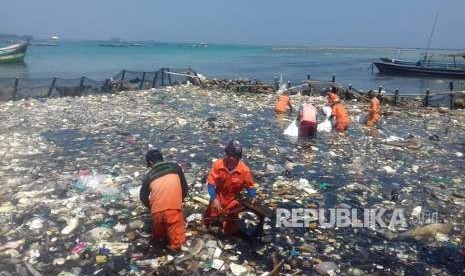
(72, 59)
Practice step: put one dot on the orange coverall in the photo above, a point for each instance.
(342, 118)
(373, 112)
(283, 102)
(228, 185)
(333, 97)
(165, 207)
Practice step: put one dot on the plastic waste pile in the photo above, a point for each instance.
(71, 169)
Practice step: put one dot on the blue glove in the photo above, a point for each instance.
(251, 192)
(211, 191)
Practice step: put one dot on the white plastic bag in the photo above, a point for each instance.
(292, 130)
(326, 125)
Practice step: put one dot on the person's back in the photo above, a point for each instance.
(163, 190)
(342, 118)
(283, 102)
(374, 112)
(308, 123)
(166, 193)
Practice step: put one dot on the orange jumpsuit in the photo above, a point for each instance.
(333, 97)
(165, 207)
(373, 112)
(342, 118)
(229, 185)
(283, 102)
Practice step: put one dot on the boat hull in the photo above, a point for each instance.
(406, 69)
(13, 53)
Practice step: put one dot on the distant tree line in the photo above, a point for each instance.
(14, 37)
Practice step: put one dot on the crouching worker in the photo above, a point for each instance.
(374, 110)
(227, 178)
(163, 191)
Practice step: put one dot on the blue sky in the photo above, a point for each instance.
(394, 23)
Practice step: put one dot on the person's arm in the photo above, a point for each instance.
(250, 186)
(144, 192)
(211, 180)
(184, 186)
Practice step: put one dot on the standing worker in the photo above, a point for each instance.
(332, 96)
(227, 178)
(284, 101)
(339, 113)
(163, 191)
(374, 110)
(307, 118)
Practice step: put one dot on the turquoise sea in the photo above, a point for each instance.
(349, 65)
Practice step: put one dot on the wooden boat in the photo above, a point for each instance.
(14, 53)
(425, 67)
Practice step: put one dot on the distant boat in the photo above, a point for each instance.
(425, 67)
(14, 53)
(44, 44)
(54, 37)
(113, 45)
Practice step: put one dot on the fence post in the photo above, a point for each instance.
(333, 79)
(141, 85)
(162, 76)
(396, 96)
(451, 95)
(15, 88)
(154, 79)
(169, 76)
(427, 98)
(52, 85)
(81, 83)
(123, 74)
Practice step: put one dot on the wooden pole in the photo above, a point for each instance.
(52, 85)
(141, 85)
(333, 79)
(81, 83)
(396, 96)
(308, 77)
(451, 95)
(169, 77)
(123, 74)
(162, 76)
(154, 79)
(15, 88)
(427, 98)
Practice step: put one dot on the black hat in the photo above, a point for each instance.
(234, 148)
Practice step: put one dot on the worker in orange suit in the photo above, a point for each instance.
(163, 191)
(339, 113)
(284, 101)
(332, 96)
(374, 110)
(227, 178)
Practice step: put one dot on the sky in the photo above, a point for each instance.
(374, 23)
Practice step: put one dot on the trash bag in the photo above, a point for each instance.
(363, 118)
(326, 125)
(292, 130)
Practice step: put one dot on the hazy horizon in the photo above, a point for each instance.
(393, 24)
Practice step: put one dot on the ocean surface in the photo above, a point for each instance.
(349, 65)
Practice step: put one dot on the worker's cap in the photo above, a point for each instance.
(153, 156)
(234, 149)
